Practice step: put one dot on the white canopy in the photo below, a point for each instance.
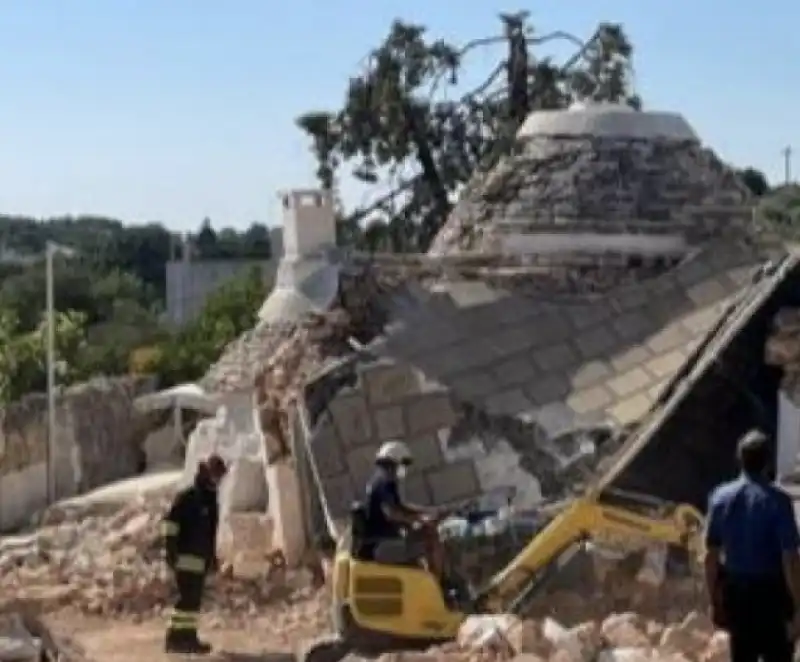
(183, 396)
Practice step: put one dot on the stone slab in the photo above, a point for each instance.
(512, 402)
(429, 412)
(329, 452)
(388, 382)
(474, 385)
(340, 493)
(454, 482)
(607, 359)
(361, 463)
(415, 489)
(352, 418)
(389, 422)
(426, 451)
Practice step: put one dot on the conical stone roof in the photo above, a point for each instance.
(595, 165)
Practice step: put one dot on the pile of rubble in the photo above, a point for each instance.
(112, 565)
(623, 637)
(280, 357)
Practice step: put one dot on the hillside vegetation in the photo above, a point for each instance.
(404, 128)
(110, 297)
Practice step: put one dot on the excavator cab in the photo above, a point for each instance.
(396, 603)
(363, 547)
(383, 597)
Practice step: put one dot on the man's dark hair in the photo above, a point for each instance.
(753, 453)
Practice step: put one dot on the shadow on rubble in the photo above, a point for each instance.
(231, 656)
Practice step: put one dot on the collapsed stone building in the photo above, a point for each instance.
(593, 314)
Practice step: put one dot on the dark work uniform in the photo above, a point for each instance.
(752, 522)
(190, 530)
(382, 490)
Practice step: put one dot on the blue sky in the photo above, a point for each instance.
(173, 110)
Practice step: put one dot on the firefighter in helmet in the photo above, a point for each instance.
(190, 539)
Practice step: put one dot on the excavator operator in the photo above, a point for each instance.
(389, 517)
(190, 539)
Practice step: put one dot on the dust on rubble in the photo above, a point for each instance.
(85, 572)
(112, 565)
(622, 637)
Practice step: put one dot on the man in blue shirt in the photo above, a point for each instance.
(389, 517)
(752, 563)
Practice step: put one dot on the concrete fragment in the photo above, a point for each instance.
(16, 643)
(625, 655)
(568, 643)
(625, 631)
(717, 649)
(679, 639)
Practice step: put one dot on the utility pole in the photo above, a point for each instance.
(787, 163)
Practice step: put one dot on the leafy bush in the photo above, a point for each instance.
(228, 313)
(23, 356)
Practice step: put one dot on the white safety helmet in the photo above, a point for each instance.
(394, 451)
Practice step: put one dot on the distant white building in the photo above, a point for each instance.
(190, 283)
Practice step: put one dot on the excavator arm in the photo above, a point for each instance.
(581, 520)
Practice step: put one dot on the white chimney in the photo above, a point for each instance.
(309, 223)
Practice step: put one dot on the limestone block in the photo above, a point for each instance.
(625, 631)
(625, 655)
(426, 452)
(454, 482)
(16, 643)
(352, 418)
(429, 413)
(389, 423)
(286, 512)
(386, 382)
(329, 452)
(508, 403)
(718, 648)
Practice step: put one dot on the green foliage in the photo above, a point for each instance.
(23, 356)
(406, 125)
(779, 211)
(228, 313)
(755, 180)
(114, 289)
(106, 245)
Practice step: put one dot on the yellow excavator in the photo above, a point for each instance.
(379, 606)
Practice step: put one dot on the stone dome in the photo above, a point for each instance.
(597, 166)
(607, 120)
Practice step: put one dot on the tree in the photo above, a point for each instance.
(405, 126)
(206, 240)
(257, 242)
(106, 245)
(755, 180)
(779, 211)
(23, 357)
(228, 313)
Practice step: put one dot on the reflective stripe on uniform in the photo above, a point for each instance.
(190, 563)
(182, 620)
(169, 528)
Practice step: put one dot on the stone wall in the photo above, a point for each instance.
(580, 180)
(456, 458)
(98, 441)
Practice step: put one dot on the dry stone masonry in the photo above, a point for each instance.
(571, 289)
(99, 436)
(577, 298)
(597, 165)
